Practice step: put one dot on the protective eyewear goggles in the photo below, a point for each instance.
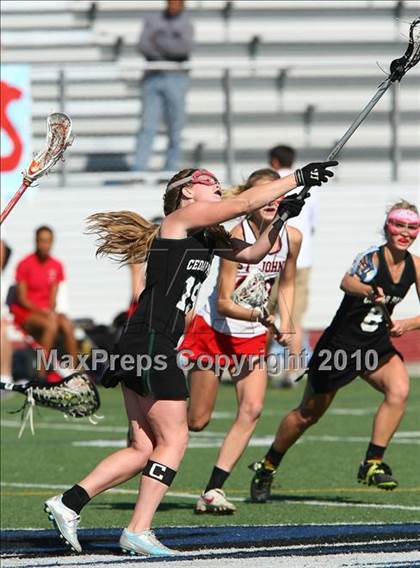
(397, 228)
(403, 221)
(204, 177)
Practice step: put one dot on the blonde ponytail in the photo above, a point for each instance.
(123, 235)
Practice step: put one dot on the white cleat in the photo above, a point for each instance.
(214, 501)
(144, 543)
(65, 521)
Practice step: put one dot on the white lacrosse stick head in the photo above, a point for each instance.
(252, 292)
(363, 265)
(59, 137)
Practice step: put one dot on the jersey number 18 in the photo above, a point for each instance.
(189, 297)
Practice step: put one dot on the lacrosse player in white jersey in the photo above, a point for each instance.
(227, 334)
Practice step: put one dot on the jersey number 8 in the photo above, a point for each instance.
(372, 320)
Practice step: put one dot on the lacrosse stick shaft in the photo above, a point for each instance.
(13, 201)
(382, 307)
(12, 387)
(383, 87)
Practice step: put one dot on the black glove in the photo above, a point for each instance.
(291, 205)
(315, 173)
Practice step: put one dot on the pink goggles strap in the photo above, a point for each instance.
(193, 177)
(404, 216)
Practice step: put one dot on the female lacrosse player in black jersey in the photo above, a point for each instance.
(178, 254)
(360, 337)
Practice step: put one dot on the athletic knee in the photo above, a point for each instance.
(51, 325)
(250, 411)
(65, 324)
(398, 396)
(307, 418)
(198, 423)
(177, 437)
(142, 450)
(181, 440)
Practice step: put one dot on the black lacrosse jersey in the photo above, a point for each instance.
(358, 320)
(176, 268)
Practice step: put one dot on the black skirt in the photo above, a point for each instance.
(336, 363)
(146, 362)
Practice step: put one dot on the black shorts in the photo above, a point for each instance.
(335, 363)
(146, 362)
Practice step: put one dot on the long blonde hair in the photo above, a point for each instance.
(251, 181)
(127, 236)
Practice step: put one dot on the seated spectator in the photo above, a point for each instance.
(38, 277)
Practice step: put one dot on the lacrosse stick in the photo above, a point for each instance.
(398, 69)
(59, 137)
(364, 267)
(252, 293)
(75, 396)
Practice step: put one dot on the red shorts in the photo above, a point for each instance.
(19, 313)
(204, 342)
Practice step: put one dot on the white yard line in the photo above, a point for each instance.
(214, 440)
(206, 439)
(182, 495)
(217, 415)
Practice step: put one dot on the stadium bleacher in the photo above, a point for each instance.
(300, 73)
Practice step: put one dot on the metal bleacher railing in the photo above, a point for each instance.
(226, 73)
(262, 73)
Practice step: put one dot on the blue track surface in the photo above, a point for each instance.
(317, 539)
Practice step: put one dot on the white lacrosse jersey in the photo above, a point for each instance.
(270, 266)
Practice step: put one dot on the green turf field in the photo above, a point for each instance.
(316, 483)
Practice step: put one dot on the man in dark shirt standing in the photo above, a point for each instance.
(167, 36)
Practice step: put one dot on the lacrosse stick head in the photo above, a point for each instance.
(411, 57)
(251, 292)
(363, 265)
(59, 137)
(76, 395)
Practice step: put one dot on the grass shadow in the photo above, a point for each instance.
(125, 506)
(318, 499)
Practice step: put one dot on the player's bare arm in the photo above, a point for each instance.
(226, 286)
(286, 289)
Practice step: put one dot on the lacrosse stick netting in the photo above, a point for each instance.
(76, 396)
(251, 292)
(411, 57)
(59, 137)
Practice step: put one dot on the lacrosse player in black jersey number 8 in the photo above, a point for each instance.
(178, 255)
(357, 342)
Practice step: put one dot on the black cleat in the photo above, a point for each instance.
(261, 482)
(377, 473)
